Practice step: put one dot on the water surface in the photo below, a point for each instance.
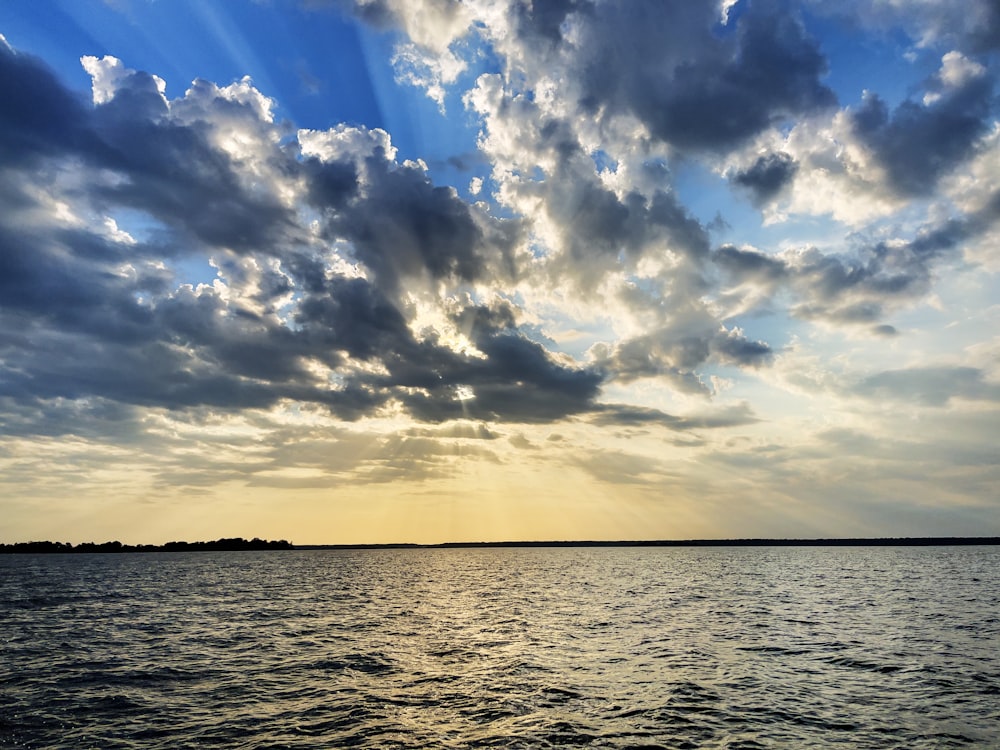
(737, 647)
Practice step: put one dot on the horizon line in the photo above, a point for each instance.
(258, 544)
(733, 541)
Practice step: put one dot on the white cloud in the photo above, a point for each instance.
(345, 142)
(109, 74)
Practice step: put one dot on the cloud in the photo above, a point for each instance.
(931, 386)
(621, 468)
(457, 430)
(624, 415)
(732, 347)
(666, 65)
(745, 264)
(973, 25)
(92, 419)
(40, 117)
(676, 352)
(724, 96)
(857, 287)
(920, 142)
(326, 245)
(867, 161)
(282, 321)
(885, 331)
(432, 26)
(517, 381)
(766, 177)
(401, 226)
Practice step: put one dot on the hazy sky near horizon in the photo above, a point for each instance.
(427, 270)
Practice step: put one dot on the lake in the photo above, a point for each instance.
(721, 647)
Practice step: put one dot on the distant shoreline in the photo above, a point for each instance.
(257, 545)
(845, 542)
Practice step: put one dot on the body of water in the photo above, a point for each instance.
(733, 647)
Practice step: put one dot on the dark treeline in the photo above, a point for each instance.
(224, 545)
(238, 543)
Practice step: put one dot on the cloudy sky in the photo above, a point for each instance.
(429, 270)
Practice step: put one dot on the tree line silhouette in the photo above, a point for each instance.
(234, 544)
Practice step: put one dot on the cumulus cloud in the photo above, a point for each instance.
(723, 97)
(921, 141)
(287, 318)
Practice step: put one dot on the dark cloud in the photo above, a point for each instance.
(353, 315)
(884, 331)
(93, 419)
(38, 116)
(695, 89)
(403, 225)
(735, 415)
(90, 314)
(192, 348)
(103, 318)
(164, 167)
(764, 270)
(543, 21)
(331, 184)
(717, 104)
(696, 85)
(518, 380)
(137, 97)
(856, 289)
(625, 415)
(985, 34)
(665, 353)
(482, 321)
(676, 351)
(175, 173)
(598, 220)
(733, 348)
(766, 177)
(192, 187)
(921, 142)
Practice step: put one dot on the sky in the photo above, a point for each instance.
(370, 271)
